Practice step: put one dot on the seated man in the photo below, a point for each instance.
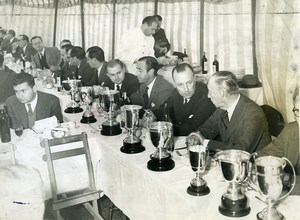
(27, 50)
(239, 122)
(46, 57)
(30, 105)
(83, 71)
(287, 142)
(119, 79)
(21, 202)
(6, 82)
(188, 105)
(67, 70)
(154, 90)
(96, 59)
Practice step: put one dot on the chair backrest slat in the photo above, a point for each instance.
(65, 140)
(67, 153)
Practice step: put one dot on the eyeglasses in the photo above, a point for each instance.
(296, 112)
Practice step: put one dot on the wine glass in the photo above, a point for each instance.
(19, 130)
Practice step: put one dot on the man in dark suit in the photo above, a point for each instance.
(67, 70)
(161, 45)
(119, 79)
(29, 105)
(239, 122)
(83, 71)
(96, 59)
(46, 57)
(188, 106)
(27, 50)
(6, 82)
(2, 37)
(9, 39)
(154, 90)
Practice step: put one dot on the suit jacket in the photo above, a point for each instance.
(53, 57)
(86, 74)
(29, 52)
(47, 106)
(161, 91)
(247, 129)
(102, 77)
(17, 53)
(7, 46)
(68, 71)
(186, 118)
(6, 87)
(129, 85)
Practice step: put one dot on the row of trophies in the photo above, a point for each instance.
(239, 168)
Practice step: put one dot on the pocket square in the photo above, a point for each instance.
(152, 104)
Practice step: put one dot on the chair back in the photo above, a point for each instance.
(275, 120)
(59, 155)
(7, 154)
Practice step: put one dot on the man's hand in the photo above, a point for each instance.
(194, 138)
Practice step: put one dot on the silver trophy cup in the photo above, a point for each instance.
(73, 85)
(269, 173)
(234, 166)
(131, 144)
(86, 98)
(198, 155)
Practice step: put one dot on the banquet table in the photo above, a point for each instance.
(125, 179)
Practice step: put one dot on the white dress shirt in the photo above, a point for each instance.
(33, 103)
(150, 86)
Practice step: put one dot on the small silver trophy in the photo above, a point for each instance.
(86, 97)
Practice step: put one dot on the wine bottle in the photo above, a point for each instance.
(204, 64)
(4, 125)
(166, 113)
(215, 65)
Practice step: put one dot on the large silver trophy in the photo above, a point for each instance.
(131, 144)
(72, 85)
(86, 97)
(234, 166)
(269, 176)
(198, 155)
(110, 103)
(161, 135)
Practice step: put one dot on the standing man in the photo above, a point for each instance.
(27, 50)
(119, 79)
(238, 123)
(96, 59)
(137, 43)
(154, 90)
(46, 57)
(9, 40)
(29, 105)
(83, 71)
(188, 106)
(162, 45)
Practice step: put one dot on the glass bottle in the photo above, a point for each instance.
(215, 65)
(204, 64)
(166, 113)
(4, 125)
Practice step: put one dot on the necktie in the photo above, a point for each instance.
(146, 97)
(31, 117)
(225, 119)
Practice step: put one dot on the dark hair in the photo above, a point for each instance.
(149, 20)
(181, 68)
(66, 41)
(115, 62)
(227, 80)
(151, 63)
(158, 17)
(77, 52)
(23, 77)
(24, 37)
(96, 52)
(36, 37)
(1, 59)
(67, 47)
(11, 32)
(3, 31)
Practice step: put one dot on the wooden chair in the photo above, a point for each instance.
(83, 196)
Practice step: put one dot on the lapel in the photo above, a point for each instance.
(22, 111)
(37, 60)
(153, 93)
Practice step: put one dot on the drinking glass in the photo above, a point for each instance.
(19, 130)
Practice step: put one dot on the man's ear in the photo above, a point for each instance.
(151, 71)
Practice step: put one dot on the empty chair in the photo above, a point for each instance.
(275, 120)
(71, 198)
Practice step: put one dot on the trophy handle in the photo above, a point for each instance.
(294, 181)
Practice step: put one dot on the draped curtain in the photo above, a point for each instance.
(278, 51)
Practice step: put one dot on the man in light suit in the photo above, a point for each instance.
(238, 123)
(46, 57)
(29, 105)
(27, 50)
(96, 59)
(119, 79)
(83, 70)
(154, 90)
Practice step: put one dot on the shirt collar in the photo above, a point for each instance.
(43, 51)
(231, 108)
(11, 40)
(150, 86)
(99, 69)
(33, 103)
(24, 48)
